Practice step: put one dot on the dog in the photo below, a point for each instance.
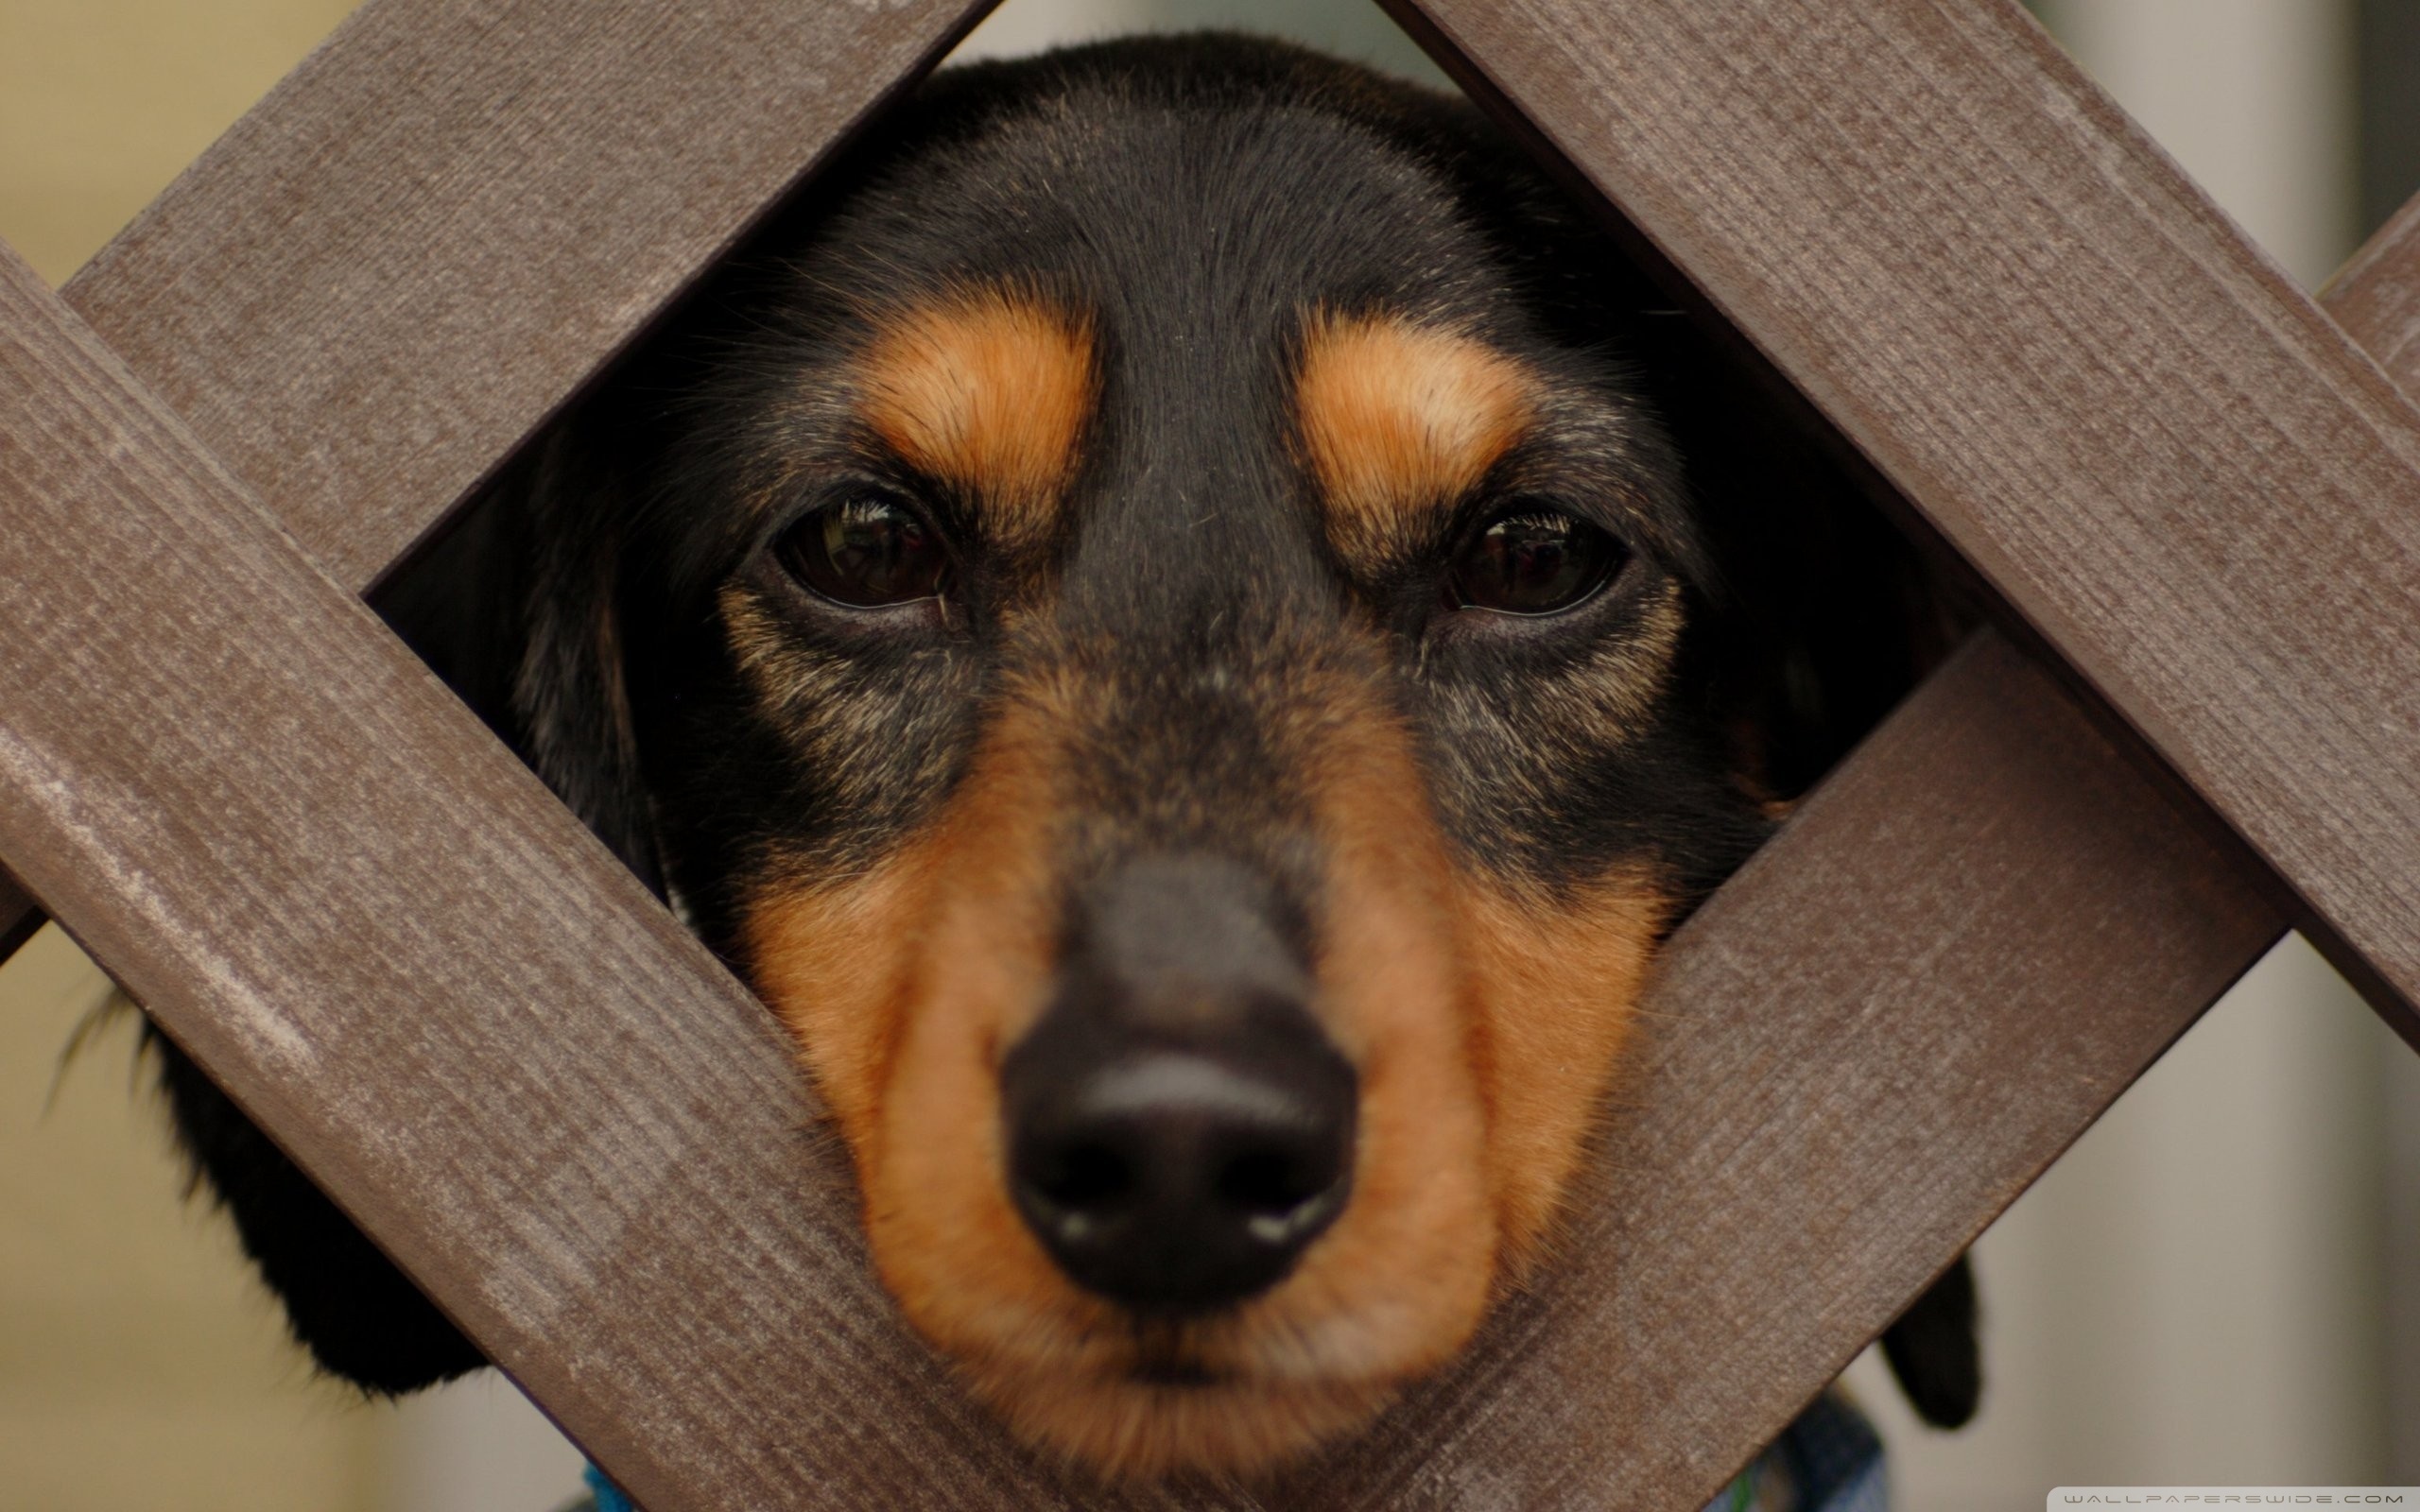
(1190, 624)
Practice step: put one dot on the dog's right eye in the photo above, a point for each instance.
(867, 551)
(1532, 562)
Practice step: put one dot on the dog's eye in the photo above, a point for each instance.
(1533, 561)
(866, 552)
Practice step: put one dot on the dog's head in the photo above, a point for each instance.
(1161, 623)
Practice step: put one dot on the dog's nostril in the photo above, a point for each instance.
(1270, 1184)
(1086, 1177)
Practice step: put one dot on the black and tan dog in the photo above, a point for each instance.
(1189, 626)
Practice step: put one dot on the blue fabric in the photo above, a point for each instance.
(1828, 1460)
(609, 1496)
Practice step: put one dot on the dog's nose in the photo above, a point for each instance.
(1177, 1181)
(1179, 1127)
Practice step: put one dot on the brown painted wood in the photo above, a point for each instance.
(453, 212)
(2165, 458)
(1961, 948)
(2376, 297)
(400, 954)
(433, 231)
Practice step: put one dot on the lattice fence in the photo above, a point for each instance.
(2190, 491)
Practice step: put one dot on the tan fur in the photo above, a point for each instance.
(1556, 980)
(989, 390)
(907, 985)
(832, 959)
(1397, 417)
(1481, 1022)
(1390, 1292)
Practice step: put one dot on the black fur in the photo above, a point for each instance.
(1934, 1350)
(1196, 196)
(361, 1318)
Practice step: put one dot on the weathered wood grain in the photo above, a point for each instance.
(450, 216)
(405, 958)
(2376, 297)
(2167, 458)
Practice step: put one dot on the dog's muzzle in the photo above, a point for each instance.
(1179, 1127)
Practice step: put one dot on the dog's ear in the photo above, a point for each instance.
(1934, 1349)
(1824, 614)
(570, 700)
(517, 608)
(361, 1318)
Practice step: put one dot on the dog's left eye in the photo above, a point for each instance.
(866, 552)
(1533, 561)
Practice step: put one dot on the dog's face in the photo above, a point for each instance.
(1161, 623)
(1156, 647)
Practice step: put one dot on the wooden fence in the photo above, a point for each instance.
(2194, 498)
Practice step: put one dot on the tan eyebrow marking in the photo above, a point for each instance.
(988, 389)
(1397, 417)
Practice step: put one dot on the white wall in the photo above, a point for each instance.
(2255, 97)
(477, 1445)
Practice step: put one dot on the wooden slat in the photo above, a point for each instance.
(449, 217)
(2171, 462)
(433, 231)
(406, 959)
(2376, 297)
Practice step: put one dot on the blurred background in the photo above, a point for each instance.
(2221, 1283)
